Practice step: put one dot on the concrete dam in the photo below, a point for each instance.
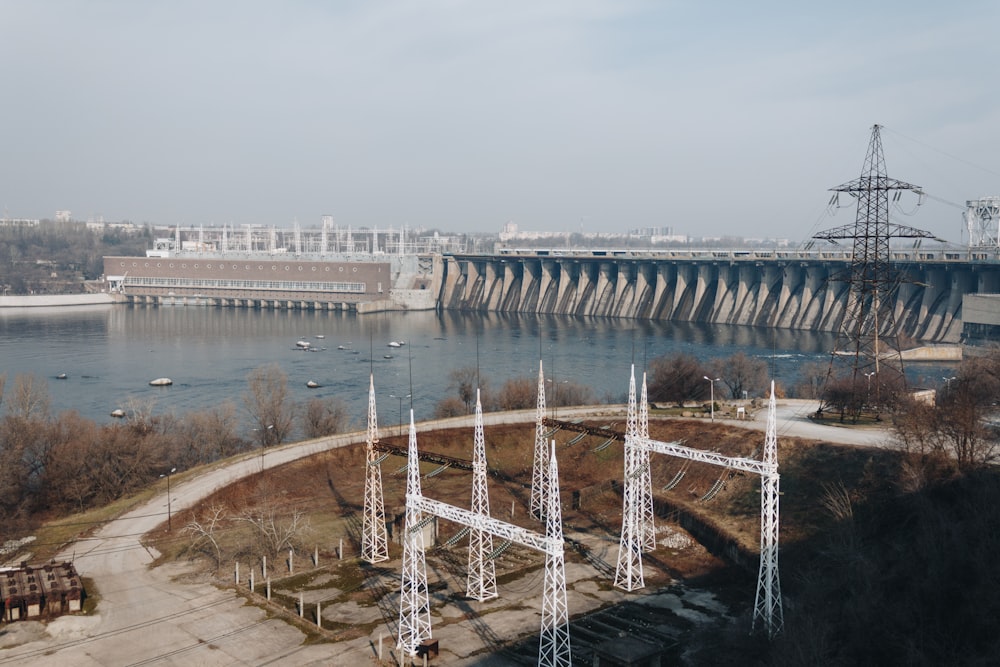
(791, 289)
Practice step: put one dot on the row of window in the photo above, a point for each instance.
(220, 283)
(220, 265)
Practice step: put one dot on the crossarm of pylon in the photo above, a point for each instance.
(676, 449)
(502, 529)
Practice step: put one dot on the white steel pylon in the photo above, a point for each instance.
(374, 545)
(645, 481)
(628, 574)
(539, 473)
(482, 578)
(767, 605)
(414, 602)
(553, 643)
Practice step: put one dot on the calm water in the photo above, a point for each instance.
(110, 353)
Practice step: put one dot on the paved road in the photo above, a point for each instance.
(147, 618)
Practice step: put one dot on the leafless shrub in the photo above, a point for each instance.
(276, 532)
(204, 532)
(267, 401)
(325, 417)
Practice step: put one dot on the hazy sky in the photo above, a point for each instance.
(714, 118)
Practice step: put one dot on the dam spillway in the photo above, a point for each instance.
(790, 289)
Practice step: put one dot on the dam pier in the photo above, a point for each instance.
(790, 289)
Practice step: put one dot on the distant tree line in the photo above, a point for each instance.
(52, 465)
(57, 257)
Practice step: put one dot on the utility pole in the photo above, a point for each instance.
(866, 338)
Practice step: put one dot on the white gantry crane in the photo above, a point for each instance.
(374, 545)
(636, 525)
(414, 611)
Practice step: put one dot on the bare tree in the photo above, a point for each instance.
(268, 403)
(139, 413)
(464, 381)
(68, 482)
(517, 394)
(204, 532)
(29, 397)
(812, 376)
(325, 417)
(450, 406)
(568, 393)
(275, 532)
(740, 373)
(677, 378)
(210, 434)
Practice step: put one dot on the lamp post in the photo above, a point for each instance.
(170, 525)
(947, 382)
(263, 444)
(400, 410)
(711, 384)
(868, 397)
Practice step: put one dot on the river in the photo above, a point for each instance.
(110, 353)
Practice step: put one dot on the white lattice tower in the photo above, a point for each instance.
(374, 545)
(414, 601)
(482, 578)
(538, 470)
(767, 606)
(645, 492)
(632, 416)
(628, 574)
(553, 642)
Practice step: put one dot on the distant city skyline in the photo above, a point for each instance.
(719, 119)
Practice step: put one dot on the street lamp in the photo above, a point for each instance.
(711, 384)
(170, 526)
(400, 410)
(947, 381)
(263, 444)
(868, 397)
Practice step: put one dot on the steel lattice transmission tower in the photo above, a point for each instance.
(554, 643)
(482, 579)
(645, 480)
(374, 545)
(767, 606)
(867, 334)
(628, 574)
(539, 473)
(414, 603)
